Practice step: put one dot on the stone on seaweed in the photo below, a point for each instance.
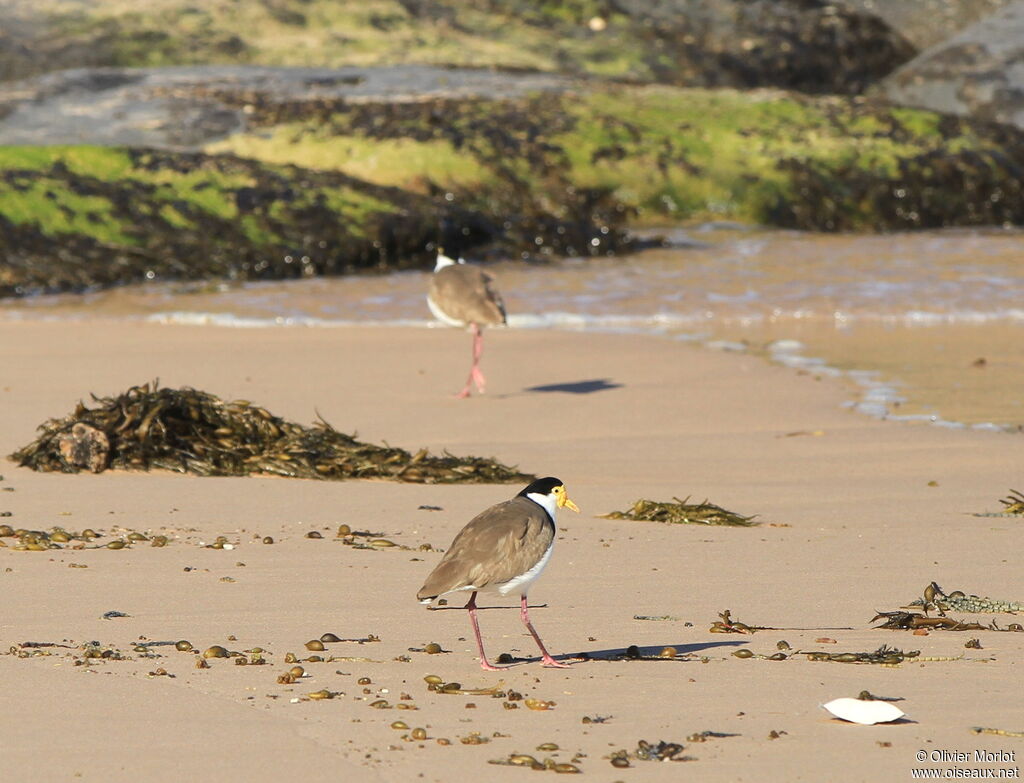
(681, 512)
(191, 431)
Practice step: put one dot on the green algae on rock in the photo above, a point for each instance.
(681, 513)
(84, 216)
(663, 154)
(190, 431)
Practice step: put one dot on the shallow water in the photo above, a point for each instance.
(927, 325)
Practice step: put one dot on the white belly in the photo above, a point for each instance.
(521, 584)
(441, 316)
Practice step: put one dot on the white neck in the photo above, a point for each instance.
(547, 502)
(443, 261)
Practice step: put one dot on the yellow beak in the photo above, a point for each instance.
(563, 500)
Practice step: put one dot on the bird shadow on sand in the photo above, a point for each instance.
(577, 387)
(632, 653)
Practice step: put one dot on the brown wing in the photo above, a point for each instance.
(497, 545)
(467, 293)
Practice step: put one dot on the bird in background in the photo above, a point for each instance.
(502, 550)
(463, 295)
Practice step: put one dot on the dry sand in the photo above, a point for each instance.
(853, 524)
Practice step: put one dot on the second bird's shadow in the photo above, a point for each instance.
(649, 652)
(577, 387)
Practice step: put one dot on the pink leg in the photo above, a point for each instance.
(524, 614)
(471, 606)
(478, 350)
(475, 375)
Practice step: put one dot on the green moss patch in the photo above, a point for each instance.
(667, 154)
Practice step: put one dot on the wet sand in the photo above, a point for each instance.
(903, 318)
(858, 515)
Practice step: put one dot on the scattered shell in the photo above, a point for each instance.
(329, 637)
(344, 530)
(314, 534)
(315, 644)
(268, 539)
(364, 681)
(419, 734)
(400, 725)
(432, 649)
(215, 652)
(524, 760)
(743, 653)
(432, 679)
(548, 747)
(296, 671)
(321, 694)
(538, 704)
(867, 713)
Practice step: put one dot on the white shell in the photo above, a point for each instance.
(867, 713)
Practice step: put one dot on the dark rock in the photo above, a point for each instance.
(812, 46)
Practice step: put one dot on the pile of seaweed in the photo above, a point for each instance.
(191, 431)
(1013, 503)
(935, 599)
(681, 512)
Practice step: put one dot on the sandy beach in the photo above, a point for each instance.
(858, 515)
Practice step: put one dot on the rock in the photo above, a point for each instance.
(926, 23)
(978, 73)
(811, 46)
(84, 446)
(186, 107)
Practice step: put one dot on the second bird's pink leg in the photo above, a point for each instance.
(524, 614)
(475, 374)
(471, 606)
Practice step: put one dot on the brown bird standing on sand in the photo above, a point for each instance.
(502, 550)
(463, 295)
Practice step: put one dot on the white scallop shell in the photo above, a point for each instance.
(867, 713)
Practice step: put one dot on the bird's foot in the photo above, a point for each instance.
(488, 668)
(480, 381)
(551, 663)
(463, 394)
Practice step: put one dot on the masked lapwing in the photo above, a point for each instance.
(464, 295)
(502, 550)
